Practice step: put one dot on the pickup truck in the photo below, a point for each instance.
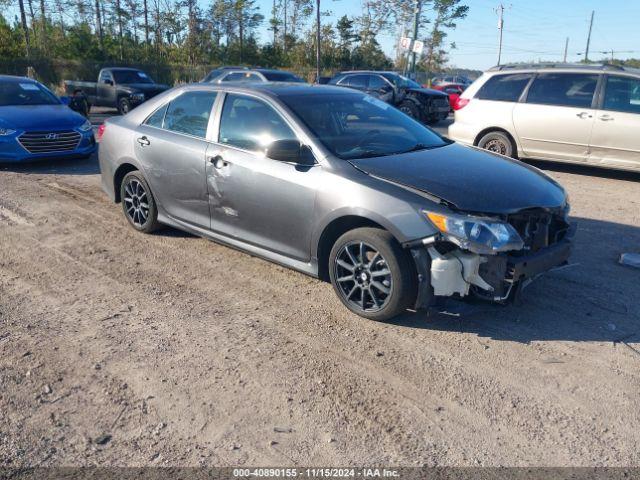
(121, 88)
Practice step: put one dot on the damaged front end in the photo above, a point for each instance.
(488, 257)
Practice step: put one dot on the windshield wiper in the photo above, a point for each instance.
(419, 146)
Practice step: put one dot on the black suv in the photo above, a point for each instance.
(423, 104)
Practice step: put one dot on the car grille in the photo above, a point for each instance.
(441, 102)
(49, 142)
(538, 228)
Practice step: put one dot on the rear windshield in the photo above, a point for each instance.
(282, 77)
(25, 93)
(504, 88)
(353, 125)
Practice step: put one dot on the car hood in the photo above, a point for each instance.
(39, 117)
(427, 91)
(471, 180)
(145, 87)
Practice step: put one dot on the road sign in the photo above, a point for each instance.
(418, 46)
(405, 43)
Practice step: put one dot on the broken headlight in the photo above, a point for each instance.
(479, 235)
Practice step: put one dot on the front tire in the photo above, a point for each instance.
(138, 204)
(409, 108)
(372, 275)
(498, 142)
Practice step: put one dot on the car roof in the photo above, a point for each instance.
(583, 67)
(16, 79)
(118, 69)
(349, 72)
(276, 89)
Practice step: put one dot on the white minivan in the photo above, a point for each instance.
(587, 114)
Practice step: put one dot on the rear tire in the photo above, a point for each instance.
(372, 275)
(124, 106)
(498, 142)
(138, 204)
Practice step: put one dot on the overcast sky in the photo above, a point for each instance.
(533, 29)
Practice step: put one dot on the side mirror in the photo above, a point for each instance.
(107, 81)
(290, 151)
(65, 100)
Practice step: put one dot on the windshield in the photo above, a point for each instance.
(131, 76)
(25, 93)
(401, 82)
(282, 77)
(352, 125)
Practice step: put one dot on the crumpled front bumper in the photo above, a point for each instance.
(458, 273)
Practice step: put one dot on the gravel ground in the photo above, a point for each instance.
(118, 348)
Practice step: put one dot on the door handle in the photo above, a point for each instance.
(143, 141)
(606, 118)
(583, 115)
(218, 162)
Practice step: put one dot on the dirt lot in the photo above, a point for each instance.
(118, 348)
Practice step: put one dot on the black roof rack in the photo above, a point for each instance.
(529, 66)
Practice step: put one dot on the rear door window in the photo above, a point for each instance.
(563, 89)
(504, 88)
(189, 113)
(356, 81)
(622, 94)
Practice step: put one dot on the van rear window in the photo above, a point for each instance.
(504, 88)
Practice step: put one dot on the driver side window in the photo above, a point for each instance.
(251, 124)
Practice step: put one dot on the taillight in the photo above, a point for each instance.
(460, 103)
(100, 132)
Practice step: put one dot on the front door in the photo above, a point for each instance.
(264, 202)
(557, 117)
(615, 140)
(172, 146)
(106, 90)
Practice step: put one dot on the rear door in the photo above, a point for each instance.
(615, 140)
(172, 144)
(556, 119)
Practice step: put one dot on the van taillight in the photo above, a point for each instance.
(100, 132)
(461, 103)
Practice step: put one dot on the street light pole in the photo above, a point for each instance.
(416, 26)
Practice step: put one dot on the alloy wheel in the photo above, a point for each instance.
(363, 277)
(136, 202)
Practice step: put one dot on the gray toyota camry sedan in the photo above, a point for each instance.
(338, 185)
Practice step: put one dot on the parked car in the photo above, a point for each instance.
(451, 80)
(561, 112)
(244, 74)
(452, 90)
(36, 125)
(350, 190)
(423, 104)
(121, 88)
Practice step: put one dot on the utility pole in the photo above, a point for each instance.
(586, 52)
(416, 27)
(318, 41)
(566, 47)
(500, 11)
